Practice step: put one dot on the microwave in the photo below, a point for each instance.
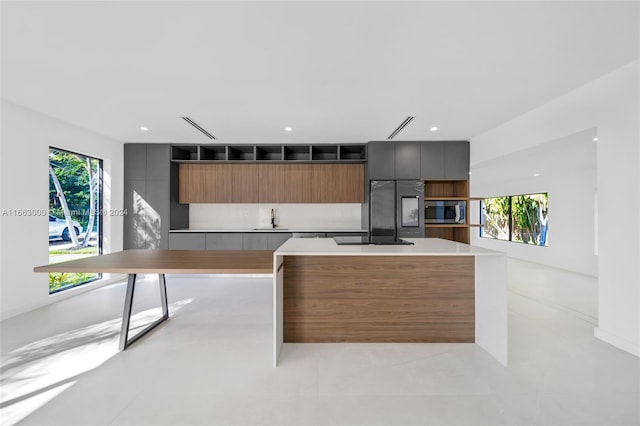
(445, 212)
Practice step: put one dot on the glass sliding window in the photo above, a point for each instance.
(75, 219)
(529, 219)
(495, 218)
(519, 218)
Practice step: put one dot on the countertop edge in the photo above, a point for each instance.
(421, 247)
(384, 253)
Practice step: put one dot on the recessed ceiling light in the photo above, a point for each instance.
(536, 174)
(470, 173)
(595, 139)
(288, 129)
(433, 129)
(144, 129)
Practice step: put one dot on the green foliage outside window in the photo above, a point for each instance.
(71, 171)
(519, 218)
(496, 218)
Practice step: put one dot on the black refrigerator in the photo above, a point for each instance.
(396, 208)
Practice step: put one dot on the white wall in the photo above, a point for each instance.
(26, 137)
(611, 104)
(571, 220)
(290, 216)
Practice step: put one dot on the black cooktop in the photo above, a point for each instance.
(365, 241)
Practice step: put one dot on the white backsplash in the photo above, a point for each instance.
(290, 216)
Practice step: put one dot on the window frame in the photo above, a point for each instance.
(510, 218)
(98, 218)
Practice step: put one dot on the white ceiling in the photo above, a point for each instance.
(334, 71)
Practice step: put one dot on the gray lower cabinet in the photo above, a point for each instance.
(224, 241)
(255, 241)
(187, 241)
(276, 239)
(346, 234)
(243, 241)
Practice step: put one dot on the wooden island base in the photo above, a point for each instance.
(379, 299)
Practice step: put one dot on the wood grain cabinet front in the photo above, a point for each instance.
(337, 183)
(285, 183)
(205, 183)
(271, 183)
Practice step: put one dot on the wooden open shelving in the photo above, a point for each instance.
(449, 190)
(446, 189)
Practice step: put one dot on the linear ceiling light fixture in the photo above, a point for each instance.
(400, 127)
(197, 126)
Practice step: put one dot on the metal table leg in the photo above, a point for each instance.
(125, 342)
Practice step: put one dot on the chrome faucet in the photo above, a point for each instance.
(273, 218)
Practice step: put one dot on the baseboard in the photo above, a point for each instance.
(617, 341)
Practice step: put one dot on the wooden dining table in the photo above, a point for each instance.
(161, 262)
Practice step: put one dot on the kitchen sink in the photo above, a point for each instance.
(269, 229)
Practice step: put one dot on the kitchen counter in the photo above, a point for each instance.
(319, 230)
(434, 291)
(420, 247)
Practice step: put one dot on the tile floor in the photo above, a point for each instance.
(211, 364)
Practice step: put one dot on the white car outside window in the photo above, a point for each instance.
(58, 228)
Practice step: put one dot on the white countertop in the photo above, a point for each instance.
(421, 247)
(268, 230)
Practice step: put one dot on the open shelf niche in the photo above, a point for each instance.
(240, 153)
(351, 152)
(448, 190)
(213, 153)
(269, 152)
(324, 152)
(297, 152)
(184, 152)
(264, 152)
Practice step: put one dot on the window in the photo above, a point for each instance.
(75, 220)
(519, 218)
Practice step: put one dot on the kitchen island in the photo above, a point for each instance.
(434, 291)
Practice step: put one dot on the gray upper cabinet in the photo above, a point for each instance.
(456, 165)
(446, 160)
(381, 160)
(135, 161)
(407, 160)
(432, 160)
(158, 157)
